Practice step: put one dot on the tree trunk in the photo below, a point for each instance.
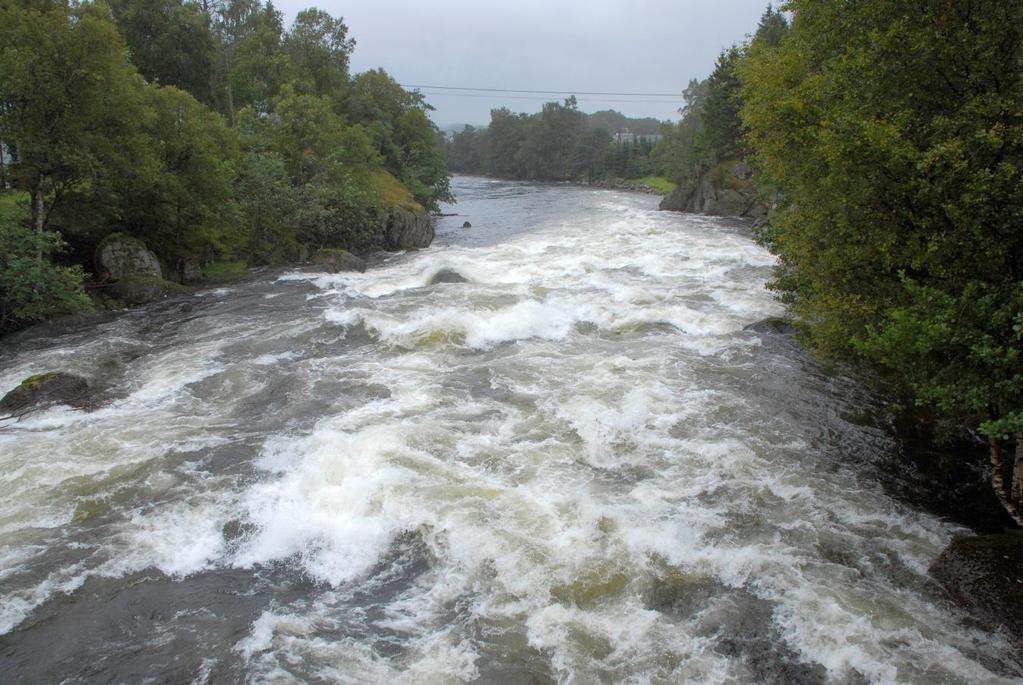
(1017, 471)
(38, 208)
(998, 482)
(230, 102)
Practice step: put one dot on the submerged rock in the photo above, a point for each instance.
(335, 260)
(120, 255)
(984, 574)
(773, 325)
(44, 390)
(448, 276)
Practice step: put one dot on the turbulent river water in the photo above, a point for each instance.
(542, 450)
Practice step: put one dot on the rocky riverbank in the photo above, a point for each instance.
(130, 274)
(725, 190)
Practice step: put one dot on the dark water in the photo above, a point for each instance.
(543, 450)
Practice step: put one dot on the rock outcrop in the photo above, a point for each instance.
(404, 229)
(985, 575)
(120, 255)
(44, 390)
(335, 261)
(725, 190)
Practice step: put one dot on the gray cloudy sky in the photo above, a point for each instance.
(644, 46)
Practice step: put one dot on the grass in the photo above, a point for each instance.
(393, 194)
(658, 183)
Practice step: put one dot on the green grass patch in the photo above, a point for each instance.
(392, 193)
(658, 183)
(224, 271)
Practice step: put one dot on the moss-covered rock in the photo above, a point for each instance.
(120, 255)
(46, 389)
(335, 260)
(984, 574)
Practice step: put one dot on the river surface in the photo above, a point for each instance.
(542, 450)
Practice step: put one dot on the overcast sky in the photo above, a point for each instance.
(642, 46)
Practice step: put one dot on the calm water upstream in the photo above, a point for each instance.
(543, 450)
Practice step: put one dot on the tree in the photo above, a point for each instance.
(186, 211)
(318, 49)
(171, 43)
(70, 101)
(33, 288)
(894, 136)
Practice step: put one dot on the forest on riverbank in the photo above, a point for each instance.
(887, 141)
(207, 131)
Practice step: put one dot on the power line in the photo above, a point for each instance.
(537, 98)
(547, 92)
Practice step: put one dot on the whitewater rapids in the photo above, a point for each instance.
(543, 450)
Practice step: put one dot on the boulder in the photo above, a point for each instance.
(681, 199)
(448, 276)
(984, 574)
(43, 390)
(120, 255)
(335, 261)
(725, 190)
(466, 225)
(404, 229)
(773, 325)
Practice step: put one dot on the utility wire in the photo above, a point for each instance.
(547, 92)
(536, 98)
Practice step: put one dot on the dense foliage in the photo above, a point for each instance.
(559, 143)
(893, 135)
(206, 130)
(710, 130)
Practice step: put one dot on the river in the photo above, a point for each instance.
(542, 450)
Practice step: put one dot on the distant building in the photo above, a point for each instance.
(624, 135)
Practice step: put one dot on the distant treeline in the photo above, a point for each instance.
(559, 143)
(205, 129)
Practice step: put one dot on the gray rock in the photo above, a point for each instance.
(725, 190)
(45, 390)
(404, 229)
(681, 199)
(120, 255)
(335, 260)
(984, 574)
(448, 276)
(773, 325)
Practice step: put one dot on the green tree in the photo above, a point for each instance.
(70, 101)
(33, 288)
(171, 43)
(894, 136)
(318, 48)
(185, 211)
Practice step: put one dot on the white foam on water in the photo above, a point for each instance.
(559, 437)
